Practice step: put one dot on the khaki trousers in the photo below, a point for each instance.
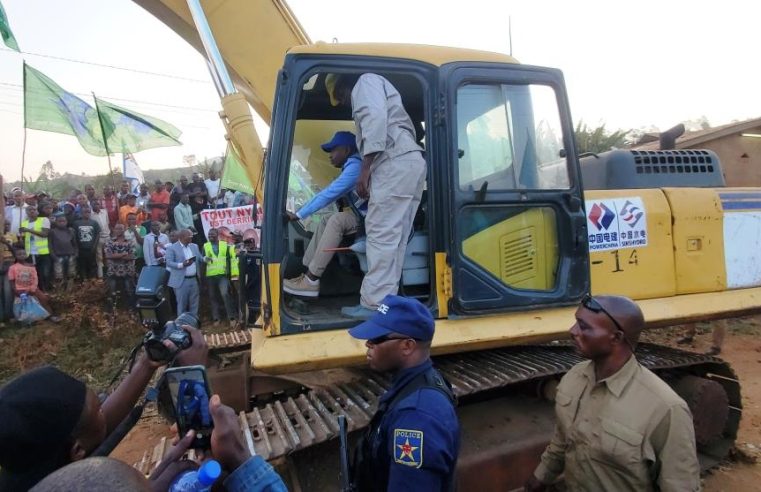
(396, 186)
(328, 235)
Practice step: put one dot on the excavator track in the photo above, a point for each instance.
(292, 423)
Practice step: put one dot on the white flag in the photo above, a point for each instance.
(132, 172)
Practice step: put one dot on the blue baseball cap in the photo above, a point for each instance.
(397, 314)
(346, 139)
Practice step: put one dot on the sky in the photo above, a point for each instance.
(626, 64)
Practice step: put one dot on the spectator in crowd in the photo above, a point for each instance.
(638, 431)
(174, 236)
(164, 224)
(183, 214)
(143, 198)
(110, 205)
(169, 187)
(87, 232)
(100, 215)
(215, 191)
(240, 199)
(63, 251)
(90, 192)
(23, 279)
(6, 260)
(36, 230)
(53, 419)
(68, 212)
(177, 191)
(46, 209)
(31, 200)
(16, 213)
(135, 234)
(120, 264)
(229, 197)
(124, 192)
(217, 257)
(154, 245)
(159, 202)
(130, 207)
(198, 193)
(81, 202)
(183, 260)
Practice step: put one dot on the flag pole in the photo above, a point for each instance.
(105, 142)
(23, 146)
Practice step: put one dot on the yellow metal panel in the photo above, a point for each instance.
(273, 269)
(335, 348)
(698, 239)
(443, 283)
(643, 272)
(521, 251)
(435, 55)
(253, 37)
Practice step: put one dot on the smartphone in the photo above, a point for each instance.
(190, 393)
(192, 259)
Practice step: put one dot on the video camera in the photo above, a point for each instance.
(156, 315)
(172, 331)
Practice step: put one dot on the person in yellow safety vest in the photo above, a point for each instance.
(36, 230)
(217, 255)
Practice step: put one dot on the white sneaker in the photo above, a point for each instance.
(302, 286)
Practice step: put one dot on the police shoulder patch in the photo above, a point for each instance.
(408, 447)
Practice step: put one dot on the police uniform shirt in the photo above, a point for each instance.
(629, 431)
(416, 444)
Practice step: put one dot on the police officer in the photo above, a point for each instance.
(413, 439)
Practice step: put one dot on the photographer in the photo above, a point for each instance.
(49, 419)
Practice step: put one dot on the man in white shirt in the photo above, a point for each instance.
(16, 212)
(154, 245)
(100, 215)
(182, 260)
(216, 194)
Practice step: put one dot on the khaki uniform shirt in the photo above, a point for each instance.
(381, 122)
(629, 431)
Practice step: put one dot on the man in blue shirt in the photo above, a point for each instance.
(343, 153)
(417, 409)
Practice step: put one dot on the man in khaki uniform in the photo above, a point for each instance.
(619, 427)
(392, 176)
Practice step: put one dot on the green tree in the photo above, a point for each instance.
(598, 139)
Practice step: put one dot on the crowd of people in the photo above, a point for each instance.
(49, 243)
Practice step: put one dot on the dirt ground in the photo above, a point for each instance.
(91, 343)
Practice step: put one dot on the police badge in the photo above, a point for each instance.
(408, 447)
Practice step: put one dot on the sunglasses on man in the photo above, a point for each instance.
(387, 338)
(590, 303)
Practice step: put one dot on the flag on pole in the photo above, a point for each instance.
(132, 172)
(5, 31)
(234, 175)
(49, 108)
(127, 131)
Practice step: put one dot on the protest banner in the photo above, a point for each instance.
(231, 220)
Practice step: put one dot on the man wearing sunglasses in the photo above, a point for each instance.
(619, 426)
(413, 439)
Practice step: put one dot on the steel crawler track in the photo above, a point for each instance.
(289, 424)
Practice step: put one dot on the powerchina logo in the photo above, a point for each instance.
(616, 223)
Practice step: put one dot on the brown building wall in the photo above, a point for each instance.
(740, 158)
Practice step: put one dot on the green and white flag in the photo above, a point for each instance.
(5, 31)
(49, 108)
(127, 131)
(234, 176)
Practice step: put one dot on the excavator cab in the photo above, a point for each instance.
(501, 224)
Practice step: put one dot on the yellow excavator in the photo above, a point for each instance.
(513, 229)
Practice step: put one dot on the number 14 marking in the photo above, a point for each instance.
(633, 260)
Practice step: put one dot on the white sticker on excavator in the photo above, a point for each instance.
(616, 223)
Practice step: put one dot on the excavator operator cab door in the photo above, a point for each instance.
(517, 237)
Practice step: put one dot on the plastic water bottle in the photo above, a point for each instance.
(199, 480)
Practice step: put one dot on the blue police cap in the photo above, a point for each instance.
(346, 139)
(397, 314)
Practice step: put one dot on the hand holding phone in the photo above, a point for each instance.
(190, 392)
